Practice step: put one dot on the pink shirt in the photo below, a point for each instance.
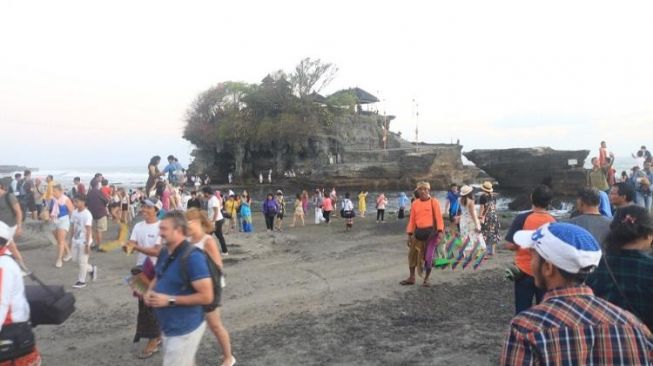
(327, 205)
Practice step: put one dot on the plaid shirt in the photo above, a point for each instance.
(573, 327)
(633, 271)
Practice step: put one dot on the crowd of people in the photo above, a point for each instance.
(583, 286)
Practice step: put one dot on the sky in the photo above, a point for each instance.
(90, 83)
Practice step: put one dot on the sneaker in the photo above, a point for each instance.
(79, 284)
(94, 273)
(59, 263)
(67, 258)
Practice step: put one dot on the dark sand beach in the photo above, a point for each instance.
(311, 295)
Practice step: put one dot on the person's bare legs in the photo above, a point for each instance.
(151, 345)
(426, 282)
(221, 334)
(63, 248)
(302, 217)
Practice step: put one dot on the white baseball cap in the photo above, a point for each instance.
(153, 202)
(567, 246)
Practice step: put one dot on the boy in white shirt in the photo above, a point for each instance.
(82, 220)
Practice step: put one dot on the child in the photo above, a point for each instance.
(348, 212)
(82, 220)
(299, 211)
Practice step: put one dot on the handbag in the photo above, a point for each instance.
(49, 305)
(424, 234)
(16, 340)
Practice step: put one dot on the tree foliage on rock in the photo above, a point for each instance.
(275, 116)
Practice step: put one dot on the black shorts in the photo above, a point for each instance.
(125, 207)
(280, 216)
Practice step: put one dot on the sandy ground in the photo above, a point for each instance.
(313, 295)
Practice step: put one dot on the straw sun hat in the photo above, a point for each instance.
(465, 190)
(487, 187)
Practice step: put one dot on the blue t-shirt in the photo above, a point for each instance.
(453, 203)
(179, 320)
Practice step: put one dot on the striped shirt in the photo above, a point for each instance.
(573, 327)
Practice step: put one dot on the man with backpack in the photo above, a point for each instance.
(182, 286)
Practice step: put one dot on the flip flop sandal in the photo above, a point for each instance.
(406, 283)
(146, 355)
(426, 284)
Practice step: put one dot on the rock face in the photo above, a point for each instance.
(521, 169)
(348, 155)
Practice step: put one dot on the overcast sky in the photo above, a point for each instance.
(90, 83)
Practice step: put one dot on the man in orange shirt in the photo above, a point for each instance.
(525, 288)
(424, 229)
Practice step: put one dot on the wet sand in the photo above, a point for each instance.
(312, 295)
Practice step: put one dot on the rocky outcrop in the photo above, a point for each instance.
(520, 169)
(6, 169)
(349, 154)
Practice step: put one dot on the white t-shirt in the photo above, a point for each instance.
(80, 220)
(146, 236)
(214, 204)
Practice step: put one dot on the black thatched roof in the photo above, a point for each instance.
(267, 79)
(317, 98)
(361, 95)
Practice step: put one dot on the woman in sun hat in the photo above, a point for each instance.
(489, 218)
(470, 225)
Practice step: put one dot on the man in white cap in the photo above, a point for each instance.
(14, 310)
(571, 326)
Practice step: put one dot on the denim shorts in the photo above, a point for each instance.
(62, 223)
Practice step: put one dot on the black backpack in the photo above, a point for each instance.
(214, 270)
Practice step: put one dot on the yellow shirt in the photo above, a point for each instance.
(48, 191)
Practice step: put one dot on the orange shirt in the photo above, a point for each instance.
(526, 221)
(422, 214)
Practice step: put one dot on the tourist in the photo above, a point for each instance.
(381, 202)
(11, 215)
(598, 175)
(174, 170)
(162, 193)
(78, 188)
(246, 212)
(125, 204)
(334, 198)
(16, 185)
(38, 198)
(14, 308)
(425, 225)
(61, 208)
(194, 201)
(643, 179)
(605, 208)
(114, 203)
(305, 202)
(298, 215)
(49, 181)
(645, 153)
(571, 326)
(639, 159)
(470, 223)
(145, 240)
(624, 275)
(402, 203)
(199, 230)
(96, 202)
(525, 289)
(27, 195)
(603, 153)
(590, 218)
(82, 223)
(612, 179)
(362, 203)
(348, 212)
(214, 211)
(622, 195)
(318, 201)
(281, 203)
(105, 188)
(153, 175)
(452, 206)
(490, 224)
(270, 209)
(230, 212)
(178, 305)
(327, 207)
(239, 217)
